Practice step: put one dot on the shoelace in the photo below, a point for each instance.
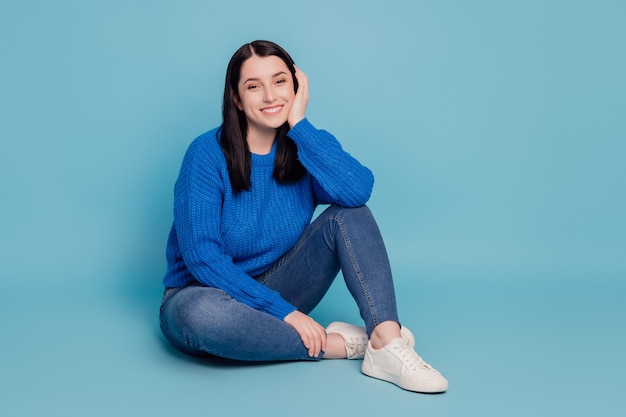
(356, 346)
(410, 357)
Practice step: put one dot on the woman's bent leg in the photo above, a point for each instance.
(346, 239)
(200, 320)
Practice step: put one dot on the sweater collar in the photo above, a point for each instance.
(265, 160)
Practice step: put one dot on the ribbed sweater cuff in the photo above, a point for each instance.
(281, 308)
(301, 129)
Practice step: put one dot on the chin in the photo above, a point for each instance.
(278, 123)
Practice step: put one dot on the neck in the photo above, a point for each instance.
(260, 142)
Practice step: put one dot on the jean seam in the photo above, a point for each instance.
(357, 271)
(164, 300)
(285, 259)
(355, 265)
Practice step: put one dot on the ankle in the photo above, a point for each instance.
(350, 340)
(335, 347)
(384, 333)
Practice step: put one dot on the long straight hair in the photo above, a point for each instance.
(287, 167)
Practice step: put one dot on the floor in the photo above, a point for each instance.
(507, 350)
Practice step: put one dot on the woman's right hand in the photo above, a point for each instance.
(301, 100)
(313, 335)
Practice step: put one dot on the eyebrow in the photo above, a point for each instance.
(273, 76)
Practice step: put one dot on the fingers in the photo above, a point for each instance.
(301, 99)
(303, 85)
(312, 334)
(313, 339)
(320, 340)
(303, 81)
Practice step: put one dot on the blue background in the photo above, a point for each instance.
(496, 133)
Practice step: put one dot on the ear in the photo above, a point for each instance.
(237, 100)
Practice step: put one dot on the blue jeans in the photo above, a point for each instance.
(200, 320)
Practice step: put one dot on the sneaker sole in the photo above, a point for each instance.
(373, 372)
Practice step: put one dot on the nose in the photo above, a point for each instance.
(268, 95)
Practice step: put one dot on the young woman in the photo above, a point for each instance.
(246, 264)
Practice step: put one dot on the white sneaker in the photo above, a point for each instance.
(399, 364)
(408, 336)
(355, 337)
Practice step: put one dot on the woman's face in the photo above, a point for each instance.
(265, 93)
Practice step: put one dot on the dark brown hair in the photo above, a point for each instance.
(287, 167)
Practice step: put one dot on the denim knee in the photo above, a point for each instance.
(185, 315)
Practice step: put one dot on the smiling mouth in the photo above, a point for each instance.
(271, 110)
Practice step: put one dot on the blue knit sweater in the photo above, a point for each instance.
(221, 238)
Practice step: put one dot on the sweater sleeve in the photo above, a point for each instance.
(338, 177)
(197, 214)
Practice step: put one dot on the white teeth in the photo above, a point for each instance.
(271, 110)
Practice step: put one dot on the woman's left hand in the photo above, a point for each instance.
(311, 332)
(301, 100)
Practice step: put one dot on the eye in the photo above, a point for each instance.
(252, 86)
(281, 81)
